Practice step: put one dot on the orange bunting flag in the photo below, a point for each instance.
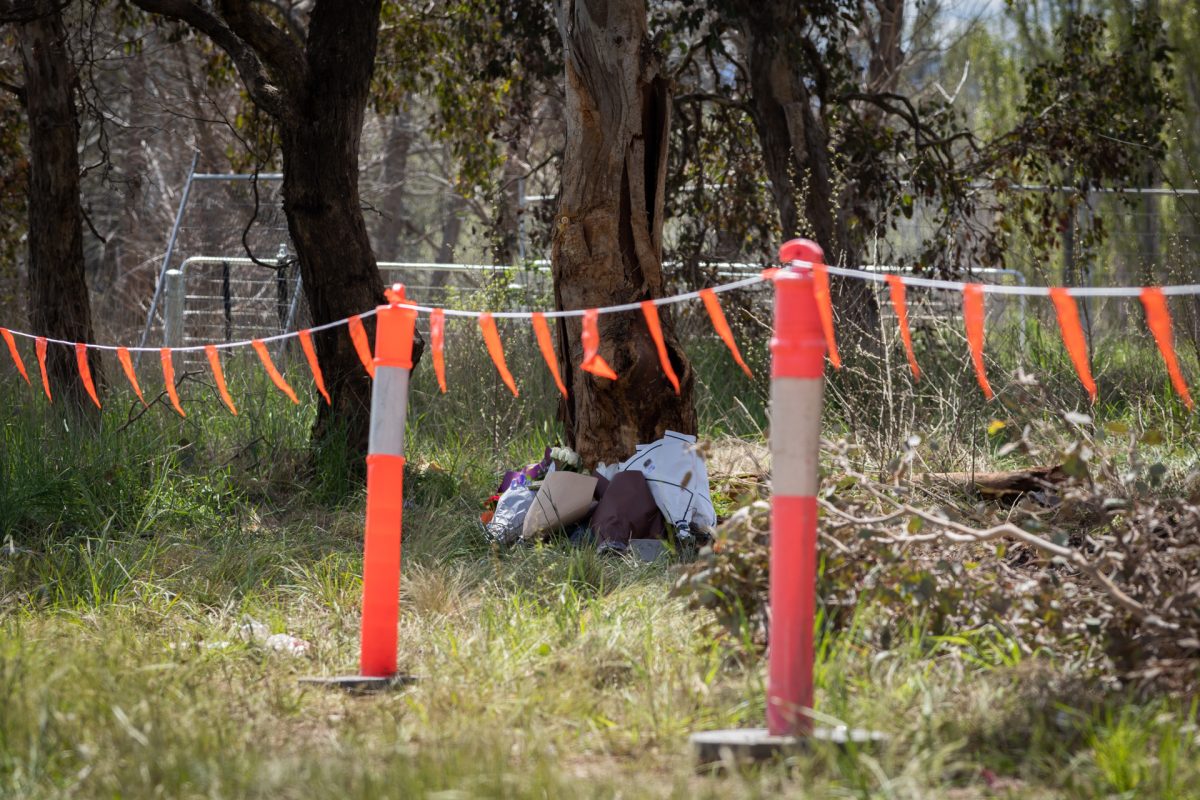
(717, 316)
(358, 335)
(650, 312)
(1158, 319)
(973, 319)
(127, 366)
(593, 362)
(437, 341)
(1073, 338)
(85, 372)
(168, 368)
(12, 351)
(491, 337)
(214, 361)
(310, 355)
(825, 310)
(272, 372)
(542, 332)
(897, 289)
(39, 347)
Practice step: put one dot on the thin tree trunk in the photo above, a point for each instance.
(797, 153)
(887, 51)
(608, 235)
(453, 207)
(397, 144)
(506, 225)
(58, 295)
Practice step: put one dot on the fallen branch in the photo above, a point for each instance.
(1002, 484)
(957, 532)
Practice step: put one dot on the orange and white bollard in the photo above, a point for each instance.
(797, 394)
(798, 350)
(385, 489)
(394, 328)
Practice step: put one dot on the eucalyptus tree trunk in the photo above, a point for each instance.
(313, 76)
(607, 244)
(319, 138)
(790, 116)
(58, 295)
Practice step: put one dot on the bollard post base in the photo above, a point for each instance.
(361, 684)
(755, 745)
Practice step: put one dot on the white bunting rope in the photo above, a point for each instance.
(579, 312)
(196, 348)
(859, 274)
(991, 288)
(450, 312)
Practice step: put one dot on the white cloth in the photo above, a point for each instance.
(678, 479)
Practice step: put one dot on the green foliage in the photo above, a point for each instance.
(480, 62)
(716, 202)
(1086, 106)
(1093, 115)
(57, 481)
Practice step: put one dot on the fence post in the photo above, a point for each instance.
(173, 296)
(289, 319)
(394, 325)
(160, 286)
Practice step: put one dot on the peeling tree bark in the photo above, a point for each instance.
(608, 234)
(58, 295)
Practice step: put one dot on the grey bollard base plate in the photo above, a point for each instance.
(361, 684)
(750, 745)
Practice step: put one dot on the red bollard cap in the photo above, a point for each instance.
(798, 344)
(394, 330)
(801, 250)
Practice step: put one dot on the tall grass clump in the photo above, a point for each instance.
(137, 470)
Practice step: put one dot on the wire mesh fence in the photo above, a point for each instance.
(230, 239)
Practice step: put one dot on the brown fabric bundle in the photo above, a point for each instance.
(627, 511)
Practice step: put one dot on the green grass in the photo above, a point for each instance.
(544, 672)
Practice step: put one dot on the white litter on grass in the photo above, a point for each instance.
(254, 632)
(286, 643)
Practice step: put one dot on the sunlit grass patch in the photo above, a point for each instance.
(140, 555)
